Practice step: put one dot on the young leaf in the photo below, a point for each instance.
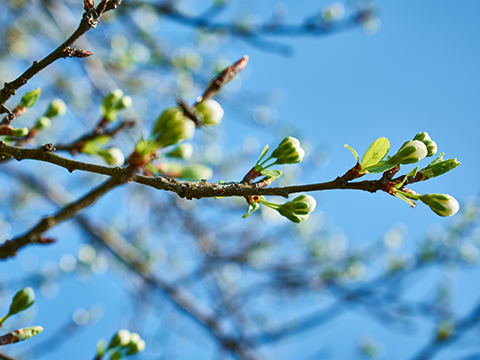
(353, 152)
(271, 174)
(264, 152)
(375, 153)
(253, 207)
(404, 198)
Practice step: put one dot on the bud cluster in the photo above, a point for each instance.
(113, 103)
(296, 210)
(123, 343)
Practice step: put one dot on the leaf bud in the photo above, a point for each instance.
(441, 204)
(42, 122)
(288, 151)
(30, 98)
(20, 132)
(182, 151)
(22, 300)
(211, 111)
(57, 108)
(438, 168)
(172, 127)
(121, 339)
(411, 152)
(27, 333)
(137, 344)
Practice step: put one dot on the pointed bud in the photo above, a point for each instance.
(22, 300)
(120, 339)
(29, 332)
(441, 204)
(20, 132)
(211, 112)
(30, 98)
(57, 108)
(42, 122)
(182, 151)
(172, 127)
(411, 152)
(437, 168)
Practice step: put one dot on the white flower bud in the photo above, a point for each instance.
(441, 204)
(211, 111)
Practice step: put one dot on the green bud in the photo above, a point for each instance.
(288, 151)
(136, 344)
(43, 122)
(113, 156)
(211, 112)
(57, 108)
(429, 143)
(20, 132)
(411, 152)
(117, 355)
(30, 98)
(126, 102)
(27, 333)
(110, 103)
(22, 300)
(298, 209)
(333, 12)
(196, 172)
(121, 339)
(182, 151)
(172, 127)
(441, 204)
(445, 329)
(437, 168)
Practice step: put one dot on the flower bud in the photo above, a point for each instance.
(211, 111)
(22, 300)
(20, 132)
(288, 151)
(429, 143)
(27, 333)
(441, 204)
(333, 12)
(182, 151)
(113, 156)
(121, 339)
(30, 98)
(298, 209)
(196, 172)
(42, 122)
(445, 329)
(124, 103)
(411, 152)
(136, 344)
(57, 108)
(172, 127)
(110, 103)
(117, 355)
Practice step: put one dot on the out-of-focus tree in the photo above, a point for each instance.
(97, 101)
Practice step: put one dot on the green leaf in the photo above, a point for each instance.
(375, 153)
(353, 152)
(404, 198)
(272, 174)
(253, 207)
(437, 160)
(411, 173)
(380, 168)
(264, 152)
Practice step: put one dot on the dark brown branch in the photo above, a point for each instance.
(186, 189)
(89, 20)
